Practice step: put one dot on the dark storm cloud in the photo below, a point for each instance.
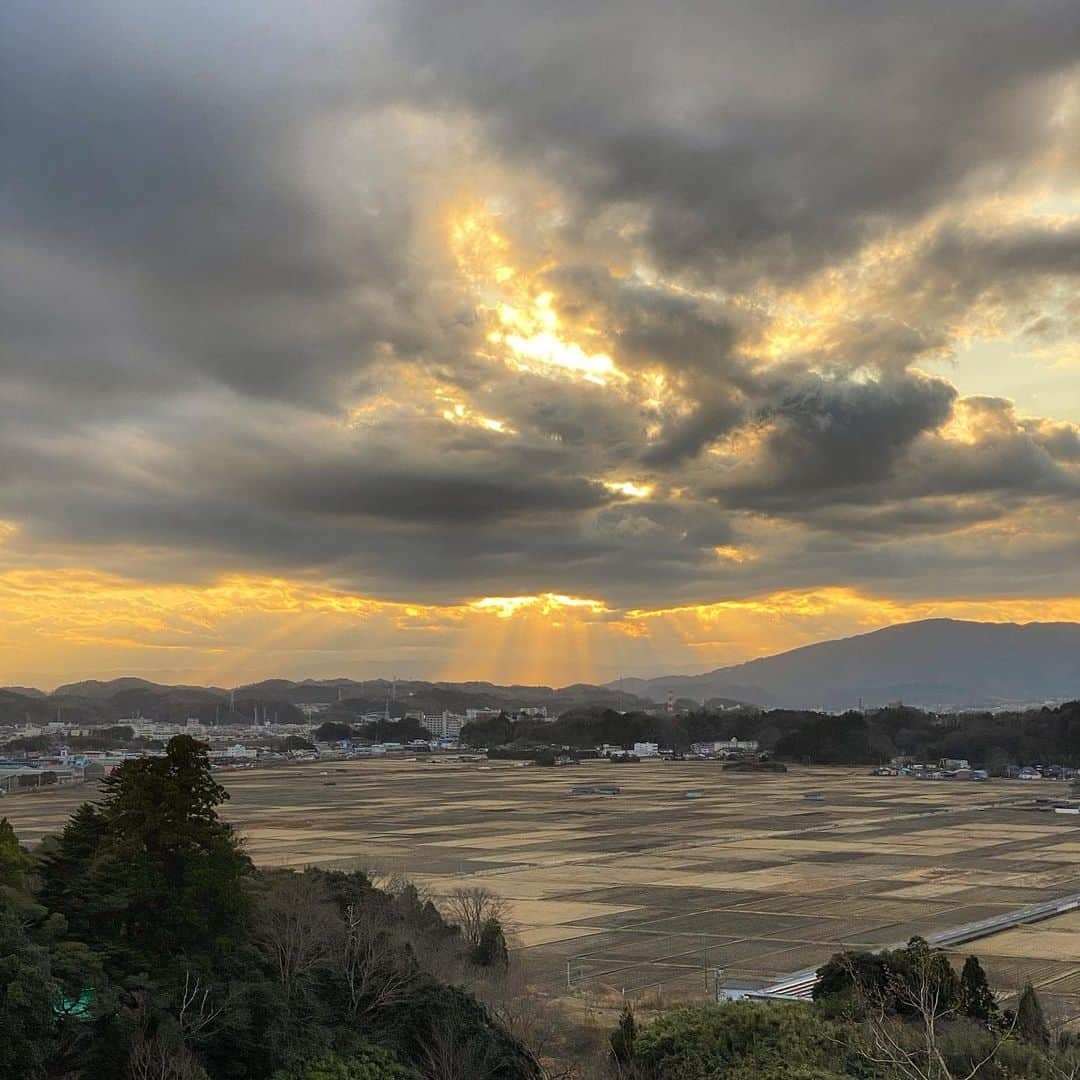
(768, 131)
(686, 436)
(217, 252)
(908, 517)
(428, 494)
(169, 158)
(833, 438)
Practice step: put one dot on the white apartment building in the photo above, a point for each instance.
(448, 725)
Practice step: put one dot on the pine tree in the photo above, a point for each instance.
(1030, 1019)
(64, 871)
(151, 875)
(977, 1000)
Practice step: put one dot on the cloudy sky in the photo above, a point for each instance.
(530, 340)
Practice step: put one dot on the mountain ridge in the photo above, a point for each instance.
(943, 663)
(951, 663)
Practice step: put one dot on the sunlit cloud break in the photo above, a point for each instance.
(425, 338)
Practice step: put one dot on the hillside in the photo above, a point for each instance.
(936, 662)
(95, 702)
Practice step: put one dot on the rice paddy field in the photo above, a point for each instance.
(650, 891)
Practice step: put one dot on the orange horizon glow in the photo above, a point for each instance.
(65, 625)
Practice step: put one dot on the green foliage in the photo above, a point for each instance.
(966, 1045)
(1031, 1022)
(977, 1000)
(789, 1041)
(294, 742)
(841, 740)
(294, 966)
(992, 740)
(444, 1030)
(152, 875)
(894, 980)
(624, 1038)
(491, 950)
(494, 732)
(333, 731)
(364, 1062)
(403, 729)
(742, 1038)
(13, 862)
(28, 993)
(65, 868)
(782, 1072)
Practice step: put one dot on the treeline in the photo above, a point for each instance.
(903, 1013)
(404, 730)
(993, 740)
(143, 944)
(171, 707)
(104, 738)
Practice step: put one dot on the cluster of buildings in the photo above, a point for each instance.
(960, 769)
(231, 745)
(725, 749)
(32, 773)
(945, 769)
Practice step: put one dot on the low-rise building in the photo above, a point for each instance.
(726, 747)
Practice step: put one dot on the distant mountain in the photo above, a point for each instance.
(96, 702)
(96, 689)
(936, 662)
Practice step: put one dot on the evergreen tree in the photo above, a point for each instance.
(624, 1036)
(65, 867)
(13, 862)
(27, 995)
(491, 950)
(152, 876)
(977, 1000)
(1030, 1019)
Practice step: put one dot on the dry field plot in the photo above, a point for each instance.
(649, 885)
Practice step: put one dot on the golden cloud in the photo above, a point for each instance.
(74, 623)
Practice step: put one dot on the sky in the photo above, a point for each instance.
(540, 342)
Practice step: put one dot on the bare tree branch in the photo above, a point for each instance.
(471, 908)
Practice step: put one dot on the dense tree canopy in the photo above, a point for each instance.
(992, 740)
(141, 943)
(152, 875)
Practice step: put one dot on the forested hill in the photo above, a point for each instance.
(96, 702)
(992, 740)
(935, 663)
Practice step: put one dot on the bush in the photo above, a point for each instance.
(781, 1040)
(366, 1062)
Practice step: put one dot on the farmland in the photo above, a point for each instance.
(645, 889)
